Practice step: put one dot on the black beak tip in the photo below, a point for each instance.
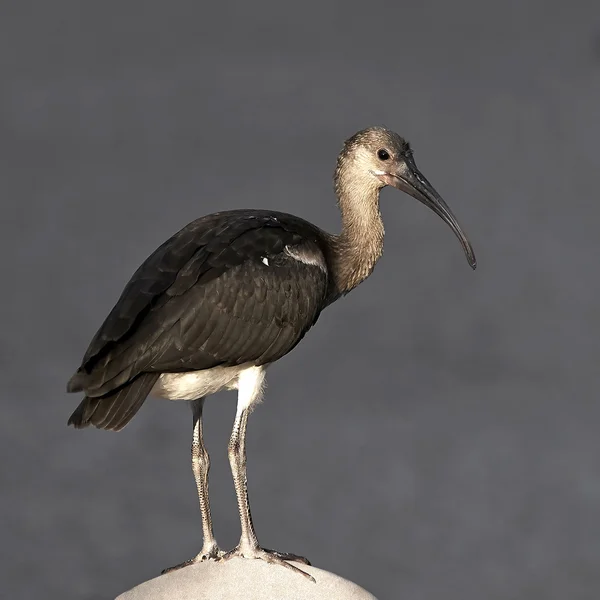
(472, 261)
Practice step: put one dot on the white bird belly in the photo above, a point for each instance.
(197, 384)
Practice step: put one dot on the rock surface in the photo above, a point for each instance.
(243, 579)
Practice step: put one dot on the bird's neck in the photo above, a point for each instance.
(360, 244)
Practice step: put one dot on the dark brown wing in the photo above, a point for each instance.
(222, 291)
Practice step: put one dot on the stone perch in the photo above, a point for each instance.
(245, 579)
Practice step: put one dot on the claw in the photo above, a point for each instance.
(271, 556)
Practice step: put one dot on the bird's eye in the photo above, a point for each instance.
(383, 154)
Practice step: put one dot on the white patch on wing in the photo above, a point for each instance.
(307, 256)
(265, 261)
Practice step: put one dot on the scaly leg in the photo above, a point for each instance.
(200, 467)
(250, 387)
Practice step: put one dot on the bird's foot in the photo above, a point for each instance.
(270, 556)
(213, 552)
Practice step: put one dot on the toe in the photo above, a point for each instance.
(272, 558)
(187, 563)
(213, 553)
(288, 556)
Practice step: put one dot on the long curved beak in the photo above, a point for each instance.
(410, 180)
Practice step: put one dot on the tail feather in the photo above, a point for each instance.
(114, 410)
(75, 383)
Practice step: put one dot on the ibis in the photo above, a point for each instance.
(230, 294)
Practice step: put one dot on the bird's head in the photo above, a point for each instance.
(377, 157)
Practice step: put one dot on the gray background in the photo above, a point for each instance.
(436, 435)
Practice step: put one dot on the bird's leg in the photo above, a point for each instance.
(248, 546)
(200, 467)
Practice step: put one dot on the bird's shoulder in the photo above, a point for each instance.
(230, 238)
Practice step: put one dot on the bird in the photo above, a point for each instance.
(230, 294)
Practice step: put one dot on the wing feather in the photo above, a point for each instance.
(206, 297)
